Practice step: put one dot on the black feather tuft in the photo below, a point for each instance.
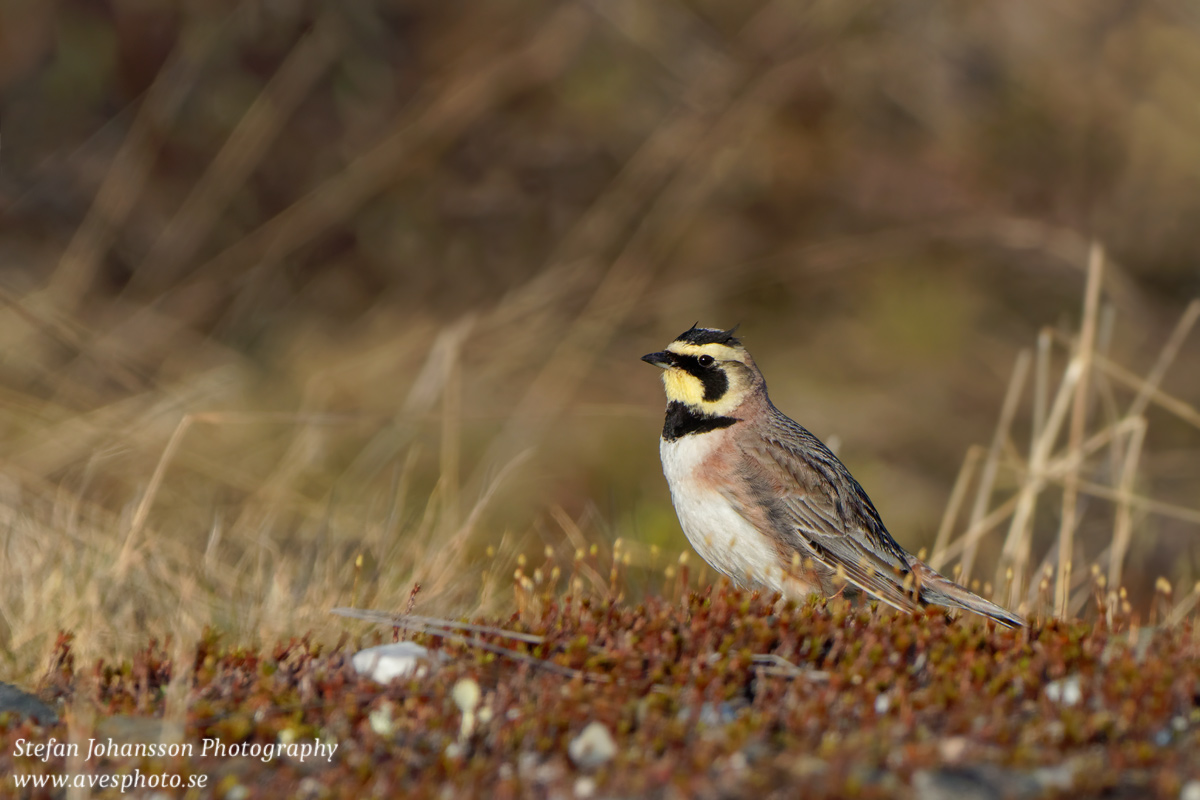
(695, 335)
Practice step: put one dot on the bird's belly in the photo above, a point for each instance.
(724, 538)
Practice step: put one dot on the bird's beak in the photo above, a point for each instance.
(664, 359)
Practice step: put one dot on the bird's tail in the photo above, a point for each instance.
(940, 590)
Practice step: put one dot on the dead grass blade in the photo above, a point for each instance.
(1017, 545)
(1185, 411)
(467, 98)
(128, 173)
(1123, 526)
(1041, 386)
(433, 624)
(977, 531)
(1079, 410)
(242, 151)
(991, 465)
(1149, 385)
(441, 567)
(1184, 607)
(458, 631)
(142, 511)
(966, 474)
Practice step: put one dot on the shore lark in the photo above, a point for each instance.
(765, 502)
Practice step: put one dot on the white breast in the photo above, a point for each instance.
(722, 536)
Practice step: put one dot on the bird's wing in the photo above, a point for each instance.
(816, 504)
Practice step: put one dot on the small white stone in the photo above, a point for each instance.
(593, 747)
(585, 787)
(1067, 691)
(381, 720)
(388, 661)
(1190, 791)
(882, 704)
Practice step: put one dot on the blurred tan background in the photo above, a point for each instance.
(402, 256)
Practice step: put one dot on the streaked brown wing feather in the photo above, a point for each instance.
(814, 499)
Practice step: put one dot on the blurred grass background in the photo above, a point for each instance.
(392, 264)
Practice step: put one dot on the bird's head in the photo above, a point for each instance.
(707, 370)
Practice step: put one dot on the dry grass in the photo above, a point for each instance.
(288, 539)
(1099, 458)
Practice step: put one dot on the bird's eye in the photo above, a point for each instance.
(705, 361)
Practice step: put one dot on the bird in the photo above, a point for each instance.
(765, 502)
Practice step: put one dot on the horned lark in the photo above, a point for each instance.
(765, 502)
